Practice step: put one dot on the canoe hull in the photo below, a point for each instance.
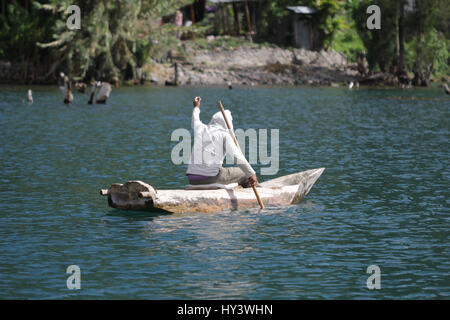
(137, 195)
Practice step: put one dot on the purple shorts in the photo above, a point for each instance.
(196, 177)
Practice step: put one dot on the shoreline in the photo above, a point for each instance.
(249, 65)
(130, 84)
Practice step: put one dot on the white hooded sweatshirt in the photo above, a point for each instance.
(211, 143)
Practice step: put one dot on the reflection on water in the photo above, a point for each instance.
(382, 200)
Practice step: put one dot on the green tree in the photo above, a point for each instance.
(383, 47)
(413, 37)
(113, 39)
(327, 19)
(427, 44)
(346, 38)
(20, 27)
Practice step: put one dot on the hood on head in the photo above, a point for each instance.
(218, 120)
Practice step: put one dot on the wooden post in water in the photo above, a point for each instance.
(176, 73)
(261, 204)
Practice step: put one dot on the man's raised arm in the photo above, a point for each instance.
(195, 123)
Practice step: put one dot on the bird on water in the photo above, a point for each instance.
(30, 96)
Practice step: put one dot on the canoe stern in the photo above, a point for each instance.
(132, 195)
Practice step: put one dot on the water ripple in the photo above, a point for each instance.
(383, 199)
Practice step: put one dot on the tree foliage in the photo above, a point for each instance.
(113, 39)
(413, 37)
(118, 37)
(380, 44)
(20, 27)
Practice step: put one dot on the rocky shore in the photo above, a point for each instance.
(243, 65)
(255, 66)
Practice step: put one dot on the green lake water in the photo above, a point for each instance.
(383, 199)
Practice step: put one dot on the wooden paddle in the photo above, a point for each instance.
(261, 204)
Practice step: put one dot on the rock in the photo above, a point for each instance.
(326, 59)
(154, 79)
(249, 65)
(243, 57)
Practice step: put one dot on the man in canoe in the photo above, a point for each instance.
(211, 143)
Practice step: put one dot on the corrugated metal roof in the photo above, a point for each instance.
(302, 9)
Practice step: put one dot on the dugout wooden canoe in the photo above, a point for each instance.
(138, 195)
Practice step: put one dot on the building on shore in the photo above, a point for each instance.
(303, 26)
(187, 15)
